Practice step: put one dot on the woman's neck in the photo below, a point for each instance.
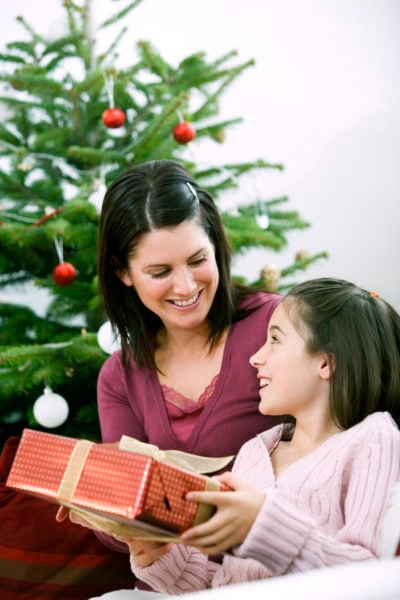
(180, 339)
(185, 362)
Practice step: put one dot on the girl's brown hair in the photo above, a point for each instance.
(360, 332)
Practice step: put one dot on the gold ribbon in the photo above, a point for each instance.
(205, 511)
(74, 469)
(192, 462)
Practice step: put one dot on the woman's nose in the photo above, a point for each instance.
(184, 282)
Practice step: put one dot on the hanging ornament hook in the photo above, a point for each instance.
(262, 218)
(109, 83)
(58, 242)
(113, 117)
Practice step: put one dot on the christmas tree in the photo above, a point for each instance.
(75, 120)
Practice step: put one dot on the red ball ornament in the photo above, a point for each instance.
(113, 117)
(184, 132)
(64, 274)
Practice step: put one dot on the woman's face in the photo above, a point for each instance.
(174, 273)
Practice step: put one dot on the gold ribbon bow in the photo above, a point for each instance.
(192, 462)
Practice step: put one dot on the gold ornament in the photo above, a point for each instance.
(97, 183)
(24, 166)
(270, 276)
(302, 255)
(218, 136)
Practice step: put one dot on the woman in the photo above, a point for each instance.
(182, 379)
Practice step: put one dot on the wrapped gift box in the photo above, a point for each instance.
(118, 491)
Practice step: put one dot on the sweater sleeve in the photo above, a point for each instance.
(116, 410)
(183, 569)
(285, 538)
(116, 418)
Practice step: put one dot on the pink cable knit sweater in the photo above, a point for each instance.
(323, 510)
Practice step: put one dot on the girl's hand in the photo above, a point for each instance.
(236, 513)
(144, 552)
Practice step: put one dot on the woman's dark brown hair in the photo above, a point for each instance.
(146, 197)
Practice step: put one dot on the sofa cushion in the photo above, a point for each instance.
(41, 558)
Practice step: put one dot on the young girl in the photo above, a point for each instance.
(310, 492)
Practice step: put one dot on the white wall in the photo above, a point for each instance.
(323, 99)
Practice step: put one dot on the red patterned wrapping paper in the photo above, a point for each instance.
(119, 487)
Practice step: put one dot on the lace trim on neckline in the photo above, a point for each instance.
(183, 402)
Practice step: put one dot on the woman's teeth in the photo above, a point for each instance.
(191, 300)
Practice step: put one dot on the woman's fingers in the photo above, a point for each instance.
(62, 514)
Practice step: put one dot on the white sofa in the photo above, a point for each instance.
(368, 580)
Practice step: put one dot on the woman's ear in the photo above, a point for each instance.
(327, 366)
(124, 277)
(121, 273)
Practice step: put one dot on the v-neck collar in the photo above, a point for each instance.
(209, 405)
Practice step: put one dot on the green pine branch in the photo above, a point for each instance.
(55, 149)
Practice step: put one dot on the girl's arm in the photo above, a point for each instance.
(179, 569)
(286, 539)
(172, 569)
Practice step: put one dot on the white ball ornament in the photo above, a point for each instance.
(262, 220)
(106, 338)
(50, 409)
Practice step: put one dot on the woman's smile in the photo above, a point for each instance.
(175, 274)
(186, 303)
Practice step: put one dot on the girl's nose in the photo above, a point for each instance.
(258, 358)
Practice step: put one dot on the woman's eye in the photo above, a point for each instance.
(198, 261)
(159, 275)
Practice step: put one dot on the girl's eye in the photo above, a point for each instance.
(274, 339)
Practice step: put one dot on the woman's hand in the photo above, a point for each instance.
(236, 513)
(65, 513)
(144, 552)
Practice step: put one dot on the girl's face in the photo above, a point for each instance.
(175, 274)
(292, 381)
